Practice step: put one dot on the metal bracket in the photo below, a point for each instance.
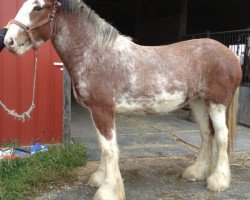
(59, 64)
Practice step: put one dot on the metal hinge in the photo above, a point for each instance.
(59, 64)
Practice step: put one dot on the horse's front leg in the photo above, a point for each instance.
(98, 177)
(108, 176)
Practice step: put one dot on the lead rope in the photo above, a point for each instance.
(26, 115)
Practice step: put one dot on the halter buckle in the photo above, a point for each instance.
(27, 29)
(50, 17)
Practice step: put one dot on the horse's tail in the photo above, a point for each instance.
(232, 114)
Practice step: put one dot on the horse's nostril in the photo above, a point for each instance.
(10, 42)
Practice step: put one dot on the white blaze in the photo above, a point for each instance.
(23, 16)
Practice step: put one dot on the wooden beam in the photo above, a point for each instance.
(67, 108)
(183, 18)
(138, 16)
(102, 2)
(244, 111)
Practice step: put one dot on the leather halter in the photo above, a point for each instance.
(49, 20)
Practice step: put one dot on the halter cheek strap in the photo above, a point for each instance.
(49, 19)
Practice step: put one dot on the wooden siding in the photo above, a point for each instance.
(16, 76)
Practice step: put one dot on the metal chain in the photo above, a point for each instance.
(26, 115)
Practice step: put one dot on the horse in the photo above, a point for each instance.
(111, 74)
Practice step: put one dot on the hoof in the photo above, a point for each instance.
(195, 173)
(108, 192)
(218, 182)
(97, 179)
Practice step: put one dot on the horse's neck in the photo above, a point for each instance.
(72, 40)
(73, 37)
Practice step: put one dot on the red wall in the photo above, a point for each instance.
(16, 76)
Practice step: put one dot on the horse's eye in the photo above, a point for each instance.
(37, 8)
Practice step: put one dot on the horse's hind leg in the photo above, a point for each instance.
(201, 168)
(219, 180)
(108, 176)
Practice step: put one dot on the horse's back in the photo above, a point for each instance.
(209, 69)
(198, 68)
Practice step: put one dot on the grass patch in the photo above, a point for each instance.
(25, 178)
(11, 144)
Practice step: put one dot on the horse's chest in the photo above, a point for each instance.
(160, 103)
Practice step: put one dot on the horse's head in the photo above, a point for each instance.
(31, 26)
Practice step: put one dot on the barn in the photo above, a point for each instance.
(156, 22)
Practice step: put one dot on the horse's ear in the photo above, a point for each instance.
(58, 4)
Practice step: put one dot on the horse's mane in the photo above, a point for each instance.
(106, 33)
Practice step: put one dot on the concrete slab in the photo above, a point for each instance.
(193, 138)
(138, 135)
(139, 146)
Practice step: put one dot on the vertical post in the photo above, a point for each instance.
(67, 107)
(183, 18)
(138, 17)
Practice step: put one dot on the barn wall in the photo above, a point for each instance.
(158, 22)
(159, 31)
(244, 108)
(16, 77)
(217, 15)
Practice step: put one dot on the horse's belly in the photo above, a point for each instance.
(162, 103)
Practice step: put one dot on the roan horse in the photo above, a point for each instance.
(112, 74)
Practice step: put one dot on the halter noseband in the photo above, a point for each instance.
(49, 19)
